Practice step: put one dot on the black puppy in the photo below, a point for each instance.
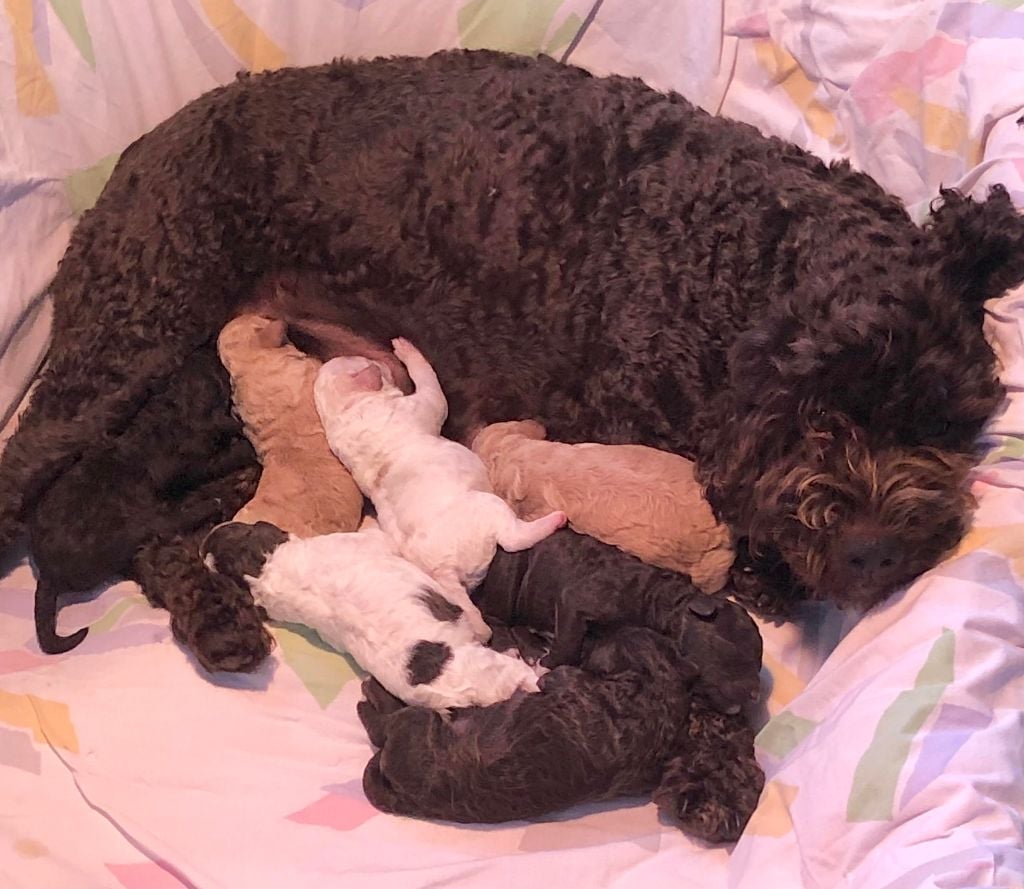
(570, 582)
(79, 540)
(623, 725)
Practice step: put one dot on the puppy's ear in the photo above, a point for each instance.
(978, 247)
(273, 334)
(369, 378)
(238, 550)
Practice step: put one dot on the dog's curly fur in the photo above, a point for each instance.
(585, 251)
(152, 471)
(623, 724)
(570, 584)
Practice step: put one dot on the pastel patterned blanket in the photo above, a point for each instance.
(893, 746)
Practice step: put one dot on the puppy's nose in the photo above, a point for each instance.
(872, 555)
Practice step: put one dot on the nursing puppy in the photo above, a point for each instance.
(303, 490)
(570, 583)
(431, 495)
(625, 724)
(640, 499)
(79, 540)
(362, 597)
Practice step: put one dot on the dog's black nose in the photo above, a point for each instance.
(873, 556)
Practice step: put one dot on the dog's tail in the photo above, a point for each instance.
(711, 788)
(46, 623)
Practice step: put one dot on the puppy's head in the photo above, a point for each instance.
(341, 378)
(249, 334)
(238, 550)
(724, 641)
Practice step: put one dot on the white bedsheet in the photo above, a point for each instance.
(894, 748)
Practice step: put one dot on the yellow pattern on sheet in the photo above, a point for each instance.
(36, 95)
(48, 720)
(785, 70)
(243, 36)
(772, 817)
(941, 127)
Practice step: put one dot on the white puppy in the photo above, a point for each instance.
(362, 597)
(432, 495)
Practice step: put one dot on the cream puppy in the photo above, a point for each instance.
(362, 597)
(432, 495)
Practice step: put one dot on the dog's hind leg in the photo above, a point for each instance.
(46, 622)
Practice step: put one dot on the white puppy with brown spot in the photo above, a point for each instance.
(363, 598)
(432, 495)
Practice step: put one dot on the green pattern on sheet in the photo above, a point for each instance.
(70, 12)
(520, 26)
(1008, 448)
(110, 619)
(83, 186)
(784, 733)
(319, 667)
(564, 34)
(877, 774)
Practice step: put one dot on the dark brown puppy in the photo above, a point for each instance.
(570, 583)
(80, 537)
(623, 725)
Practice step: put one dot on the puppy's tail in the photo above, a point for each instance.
(46, 623)
(711, 788)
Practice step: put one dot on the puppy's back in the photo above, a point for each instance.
(642, 500)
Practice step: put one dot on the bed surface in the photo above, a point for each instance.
(892, 745)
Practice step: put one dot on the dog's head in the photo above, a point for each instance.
(239, 551)
(846, 436)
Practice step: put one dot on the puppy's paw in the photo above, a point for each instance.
(230, 639)
(405, 351)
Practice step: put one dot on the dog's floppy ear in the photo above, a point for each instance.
(978, 247)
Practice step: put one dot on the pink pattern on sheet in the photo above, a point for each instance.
(874, 89)
(344, 808)
(145, 875)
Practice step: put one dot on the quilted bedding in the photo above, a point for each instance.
(893, 745)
